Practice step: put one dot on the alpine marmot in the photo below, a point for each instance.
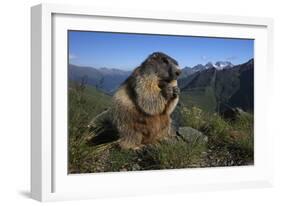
(143, 103)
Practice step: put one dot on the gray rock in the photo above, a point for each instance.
(192, 135)
(232, 113)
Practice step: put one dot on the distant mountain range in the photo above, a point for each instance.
(105, 79)
(108, 79)
(219, 89)
(213, 87)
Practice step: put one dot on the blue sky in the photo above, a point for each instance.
(127, 51)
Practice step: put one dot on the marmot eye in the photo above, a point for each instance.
(165, 60)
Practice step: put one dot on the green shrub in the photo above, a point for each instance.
(193, 117)
(229, 142)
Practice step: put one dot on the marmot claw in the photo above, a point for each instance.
(176, 92)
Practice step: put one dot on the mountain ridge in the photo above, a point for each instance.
(105, 79)
(206, 85)
(217, 90)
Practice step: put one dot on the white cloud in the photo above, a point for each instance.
(231, 58)
(72, 56)
(204, 58)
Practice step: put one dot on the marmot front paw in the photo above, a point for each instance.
(168, 91)
(176, 92)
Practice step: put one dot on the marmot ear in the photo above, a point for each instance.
(165, 60)
(136, 72)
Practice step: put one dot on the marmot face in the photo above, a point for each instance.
(165, 67)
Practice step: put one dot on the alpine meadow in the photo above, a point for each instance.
(212, 124)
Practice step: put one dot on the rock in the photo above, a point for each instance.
(232, 113)
(191, 135)
(178, 119)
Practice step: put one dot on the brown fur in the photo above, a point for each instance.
(140, 112)
(144, 102)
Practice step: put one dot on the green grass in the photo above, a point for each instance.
(203, 98)
(229, 143)
(179, 154)
(84, 103)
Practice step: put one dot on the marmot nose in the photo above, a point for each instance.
(178, 72)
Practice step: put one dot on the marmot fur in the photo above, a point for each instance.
(143, 103)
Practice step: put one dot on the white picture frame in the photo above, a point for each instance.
(49, 178)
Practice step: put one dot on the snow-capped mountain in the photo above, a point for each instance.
(223, 65)
(209, 65)
(219, 65)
